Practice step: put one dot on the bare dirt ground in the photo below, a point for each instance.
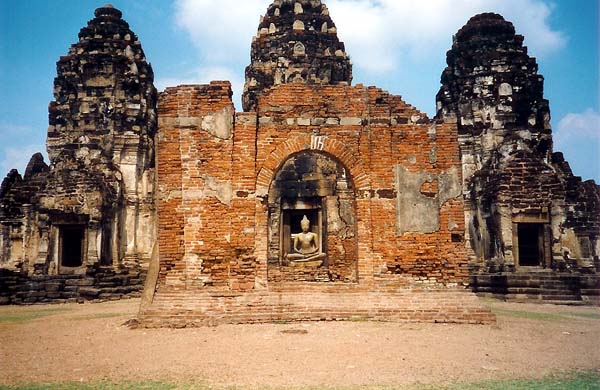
(89, 342)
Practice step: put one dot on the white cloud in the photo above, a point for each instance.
(10, 128)
(17, 157)
(379, 34)
(221, 30)
(578, 137)
(392, 43)
(575, 126)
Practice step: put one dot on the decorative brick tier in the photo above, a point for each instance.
(316, 302)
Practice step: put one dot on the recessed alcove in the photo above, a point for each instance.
(314, 189)
(531, 240)
(292, 214)
(530, 247)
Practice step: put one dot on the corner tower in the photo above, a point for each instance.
(491, 84)
(524, 208)
(102, 125)
(91, 212)
(104, 97)
(296, 42)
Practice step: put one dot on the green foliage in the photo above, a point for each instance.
(588, 380)
(107, 385)
(528, 315)
(593, 316)
(585, 380)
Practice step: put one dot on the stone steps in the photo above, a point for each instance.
(539, 285)
(105, 284)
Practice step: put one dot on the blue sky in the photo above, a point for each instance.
(398, 45)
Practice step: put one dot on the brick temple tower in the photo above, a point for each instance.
(321, 200)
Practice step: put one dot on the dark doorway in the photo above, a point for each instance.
(72, 246)
(106, 253)
(531, 244)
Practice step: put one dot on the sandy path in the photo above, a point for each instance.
(88, 342)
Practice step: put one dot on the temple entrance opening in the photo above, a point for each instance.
(71, 246)
(531, 244)
(312, 221)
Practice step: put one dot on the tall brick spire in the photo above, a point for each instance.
(296, 42)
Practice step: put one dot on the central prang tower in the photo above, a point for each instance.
(296, 42)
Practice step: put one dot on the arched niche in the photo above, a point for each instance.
(314, 186)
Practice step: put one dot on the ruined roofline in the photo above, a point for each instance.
(372, 95)
(557, 160)
(220, 84)
(13, 176)
(36, 165)
(222, 88)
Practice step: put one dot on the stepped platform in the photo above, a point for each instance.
(98, 284)
(301, 302)
(539, 285)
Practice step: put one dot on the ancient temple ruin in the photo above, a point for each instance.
(84, 226)
(533, 227)
(321, 200)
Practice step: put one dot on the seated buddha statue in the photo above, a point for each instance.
(306, 246)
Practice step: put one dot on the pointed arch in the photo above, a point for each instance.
(317, 143)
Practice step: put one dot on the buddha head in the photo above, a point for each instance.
(305, 224)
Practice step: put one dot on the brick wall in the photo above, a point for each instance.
(215, 174)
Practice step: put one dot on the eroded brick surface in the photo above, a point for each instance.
(331, 152)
